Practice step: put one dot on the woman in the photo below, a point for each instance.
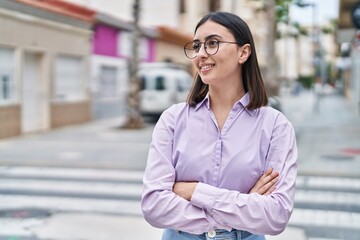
(207, 154)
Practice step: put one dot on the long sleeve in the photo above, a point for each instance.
(161, 207)
(253, 212)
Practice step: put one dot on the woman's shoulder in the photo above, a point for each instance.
(176, 108)
(271, 113)
(174, 112)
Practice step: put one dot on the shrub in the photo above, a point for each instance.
(306, 81)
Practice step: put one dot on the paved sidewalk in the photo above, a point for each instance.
(328, 139)
(98, 144)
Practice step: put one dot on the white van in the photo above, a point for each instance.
(161, 87)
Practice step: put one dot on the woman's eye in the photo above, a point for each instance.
(196, 46)
(213, 43)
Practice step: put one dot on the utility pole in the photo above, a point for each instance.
(134, 117)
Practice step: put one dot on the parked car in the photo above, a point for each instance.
(161, 87)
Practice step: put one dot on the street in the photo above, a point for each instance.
(328, 186)
(84, 182)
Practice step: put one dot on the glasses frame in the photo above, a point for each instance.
(205, 48)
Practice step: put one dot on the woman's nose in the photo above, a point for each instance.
(202, 51)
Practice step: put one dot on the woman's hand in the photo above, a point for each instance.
(184, 189)
(266, 183)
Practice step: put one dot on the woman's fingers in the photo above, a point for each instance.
(269, 187)
(265, 184)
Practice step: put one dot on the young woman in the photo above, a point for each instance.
(213, 161)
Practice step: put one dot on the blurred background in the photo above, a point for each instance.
(82, 83)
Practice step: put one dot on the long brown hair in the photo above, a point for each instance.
(252, 80)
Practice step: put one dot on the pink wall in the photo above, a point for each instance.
(105, 40)
(151, 47)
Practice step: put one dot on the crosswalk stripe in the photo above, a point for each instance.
(331, 183)
(327, 197)
(70, 204)
(325, 218)
(72, 187)
(73, 173)
(326, 239)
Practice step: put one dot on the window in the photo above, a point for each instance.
(182, 6)
(125, 43)
(214, 5)
(7, 75)
(69, 79)
(142, 80)
(160, 83)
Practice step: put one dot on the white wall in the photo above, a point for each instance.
(153, 12)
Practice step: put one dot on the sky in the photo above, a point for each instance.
(325, 10)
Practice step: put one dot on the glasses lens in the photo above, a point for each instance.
(191, 49)
(211, 46)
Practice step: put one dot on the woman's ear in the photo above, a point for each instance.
(244, 53)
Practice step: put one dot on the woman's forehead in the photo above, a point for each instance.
(210, 28)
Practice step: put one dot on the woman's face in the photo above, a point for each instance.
(223, 66)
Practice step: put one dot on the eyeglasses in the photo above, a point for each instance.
(211, 47)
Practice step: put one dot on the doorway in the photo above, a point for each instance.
(32, 110)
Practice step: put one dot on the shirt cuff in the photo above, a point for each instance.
(204, 196)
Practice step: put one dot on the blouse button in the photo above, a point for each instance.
(211, 234)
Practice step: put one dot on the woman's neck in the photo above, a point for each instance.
(225, 98)
(222, 101)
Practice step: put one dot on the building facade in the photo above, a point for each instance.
(161, 16)
(44, 60)
(109, 71)
(161, 41)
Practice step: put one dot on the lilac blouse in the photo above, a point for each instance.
(188, 146)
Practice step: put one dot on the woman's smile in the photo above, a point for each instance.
(206, 67)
